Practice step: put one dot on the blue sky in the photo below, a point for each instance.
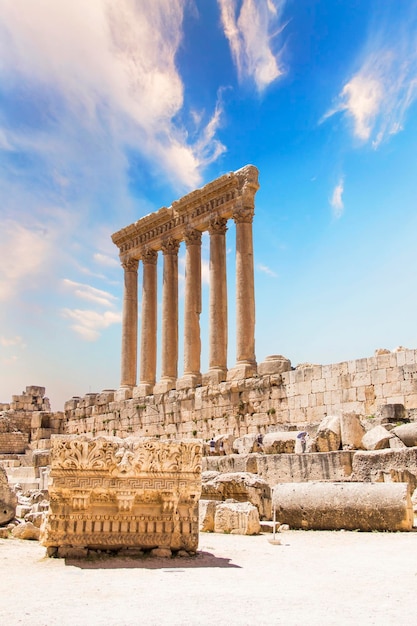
(109, 111)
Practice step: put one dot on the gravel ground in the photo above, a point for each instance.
(314, 577)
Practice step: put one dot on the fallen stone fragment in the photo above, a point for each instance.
(207, 509)
(280, 442)
(376, 439)
(26, 530)
(328, 436)
(240, 486)
(237, 518)
(8, 499)
(407, 433)
(349, 506)
(351, 431)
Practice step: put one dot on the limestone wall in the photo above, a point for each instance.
(303, 395)
(13, 443)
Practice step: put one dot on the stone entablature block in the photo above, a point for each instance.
(109, 493)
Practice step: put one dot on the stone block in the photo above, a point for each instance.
(26, 530)
(110, 493)
(8, 499)
(242, 487)
(275, 364)
(376, 438)
(207, 509)
(349, 506)
(407, 433)
(328, 436)
(279, 442)
(351, 431)
(237, 518)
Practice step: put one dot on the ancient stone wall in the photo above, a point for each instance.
(300, 396)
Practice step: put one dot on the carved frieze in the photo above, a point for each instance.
(135, 492)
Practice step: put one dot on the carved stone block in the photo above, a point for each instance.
(111, 493)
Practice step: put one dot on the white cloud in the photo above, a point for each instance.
(86, 292)
(88, 324)
(250, 33)
(266, 270)
(106, 260)
(112, 68)
(376, 98)
(336, 200)
(26, 253)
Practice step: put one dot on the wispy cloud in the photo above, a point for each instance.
(106, 260)
(376, 97)
(250, 26)
(7, 342)
(86, 292)
(336, 201)
(88, 324)
(106, 71)
(266, 270)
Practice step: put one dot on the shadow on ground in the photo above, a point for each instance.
(169, 565)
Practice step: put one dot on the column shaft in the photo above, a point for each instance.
(129, 323)
(245, 297)
(169, 367)
(149, 320)
(192, 310)
(218, 303)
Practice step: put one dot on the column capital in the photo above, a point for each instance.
(192, 236)
(217, 225)
(170, 246)
(243, 214)
(149, 256)
(129, 264)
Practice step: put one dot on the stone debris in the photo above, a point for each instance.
(328, 437)
(237, 518)
(8, 499)
(26, 530)
(351, 431)
(377, 438)
(407, 433)
(239, 486)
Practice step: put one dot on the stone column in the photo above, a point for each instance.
(169, 367)
(149, 317)
(192, 310)
(245, 296)
(218, 303)
(129, 323)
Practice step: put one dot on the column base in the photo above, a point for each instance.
(188, 381)
(214, 376)
(123, 393)
(242, 370)
(143, 389)
(164, 385)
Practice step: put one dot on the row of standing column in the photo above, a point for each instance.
(218, 330)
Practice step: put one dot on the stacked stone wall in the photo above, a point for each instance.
(300, 396)
(13, 443)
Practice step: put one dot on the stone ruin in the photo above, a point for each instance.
(360, 415)
(123, 495)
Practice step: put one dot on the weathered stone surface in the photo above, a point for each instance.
(407, 433)
(237, 518)
(232, 463)
(245, 444)
(282, 442)
(386, 466)
(109, 493)
(351, 431)
(351, 506)
(328, 436)
(395, 443)
(392, 412)
(26, 530)
(241, 486)
(376, 438)
(8, 499)
(207, 509)
(274, 364)
(334, 466)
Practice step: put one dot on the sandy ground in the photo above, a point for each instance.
(315, 577)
